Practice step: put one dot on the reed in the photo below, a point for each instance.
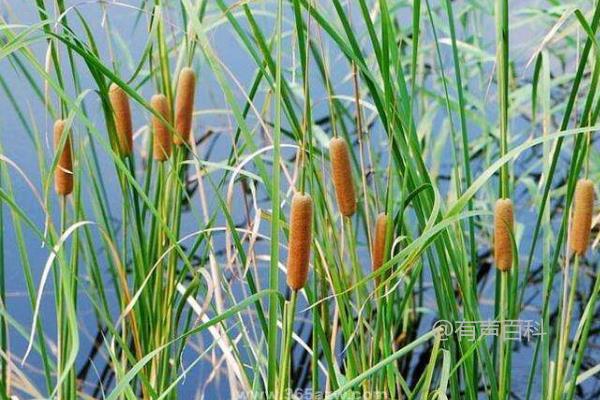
(579, 237)
(162, 137)
(63, 173)
(503, 228)
(341, 171)
(581, 223)
(122, 115)
(184, 105)
(297, 272)
(378, 252)
(188, 256)
(299, 241)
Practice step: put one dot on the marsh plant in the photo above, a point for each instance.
(284, 199)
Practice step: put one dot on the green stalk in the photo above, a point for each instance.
(286, 349)
(175, 187)
(158, 245)
(502, 68)
(582, 344)
(66, 388)
(502, 76)
(504, 345)
(4, 373)
(275, 187)
(561, 355)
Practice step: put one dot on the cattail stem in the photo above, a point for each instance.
(60, 333)
(568, 299)
(63, 173)
(300, 241)
(63, 280)
(341, 170)
(122, 114)
(503, 228)
(503, 359)
(184, 106)
(579, 348)
(286, 349)
(162, 137)
(581, 223)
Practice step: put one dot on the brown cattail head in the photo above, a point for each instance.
(120, 105)
(300, 241)
(378, 255)
(162, 136)
(63, 174)
(503, 228)
(581, 224)
(184, 105)
(341, 170)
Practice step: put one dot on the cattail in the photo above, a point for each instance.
(122, 113)
(503, 228)
(342, 176)
(162, 137)
(184, 105)
(378, 254)
(300, 241)
(63, 174)
(581, 223)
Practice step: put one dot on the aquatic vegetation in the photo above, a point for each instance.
(299, 199)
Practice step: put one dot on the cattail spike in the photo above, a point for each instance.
(341, 170)
(63, 174)
(300, 241)
(581, 223)
(184, 105)
(162, 137)
(503, 228)
(378, 252)
(122, 113)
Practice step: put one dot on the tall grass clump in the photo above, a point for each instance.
(322, 199)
